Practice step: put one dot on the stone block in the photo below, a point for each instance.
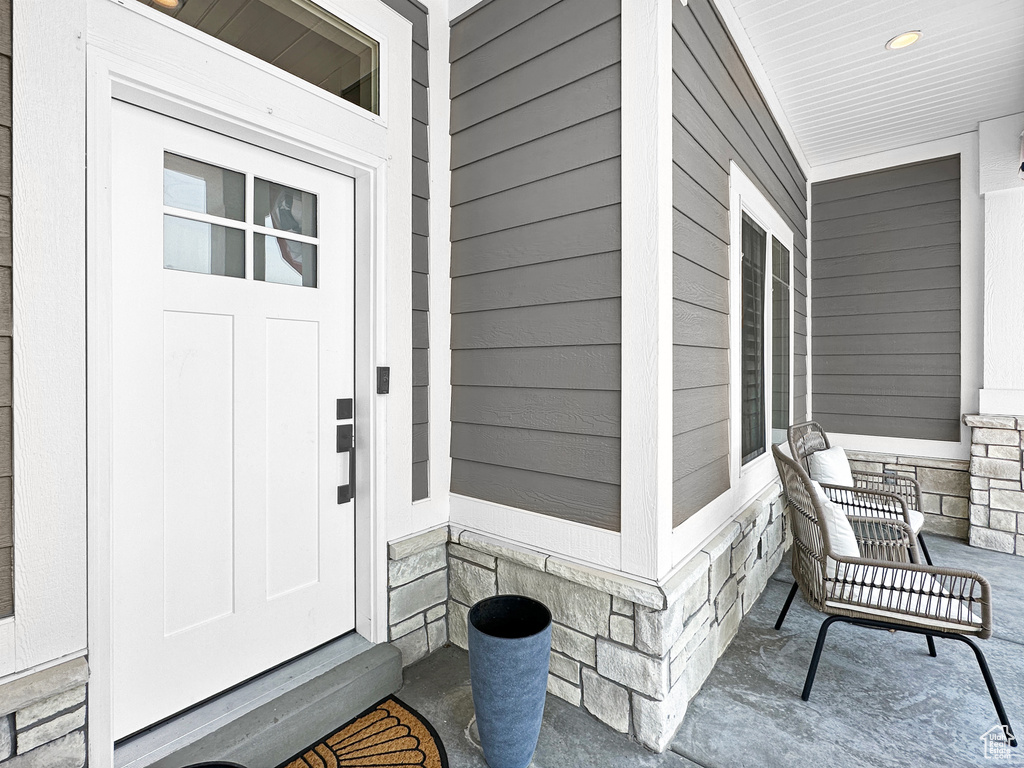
(916, 462)
(655, 722)
(1002, 521)
(1020, 545)
(574, 644)
(413, 646)
(504, 550)
(458, 620)
(65, 752)
(931, 503)
(6, 737)
(988, 436)
(954, 527)
(979, 450)
(602, 581)
(754, 584)
(436, 612)
(437, 634)
(657, 631)
(28, 690)
(725, 630)
(698, 625)
(465, 553)
(636, 670)
(470, 583)
(564, 667)
(564, 690)
(995, 468)
(691, 572)
(698, 666)
(403, 548)
(954, 506)
(998, 422)
(606, 701)
(622, 629)
(416, 565)
(405, 627)
(945, 481)
(621, 606)
(1004, 499)
(1006, 485)
(740, 552)
(979, 497)
(571, 604)
(979, 515)
(998, 541)
(720, 553)
(726, 598)
(50, 730)
(979, 483)
(1010, 452)
(46, 708)
(417, 596)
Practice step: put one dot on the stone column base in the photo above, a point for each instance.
(997, 483)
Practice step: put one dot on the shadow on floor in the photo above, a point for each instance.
(879, 700)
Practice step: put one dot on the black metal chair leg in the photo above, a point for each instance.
(924, 549)
(816, 656)
(991, 683)
(931, 646)
(785, 606)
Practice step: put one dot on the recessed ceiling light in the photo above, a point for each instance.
(169, 4)
(903, 40)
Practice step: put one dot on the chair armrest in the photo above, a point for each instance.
(902, 485)
(885, 539)
(922, 593)
(862, 502)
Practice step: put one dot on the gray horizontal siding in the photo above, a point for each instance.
(720, 116)
(536, 261)
(887, 302)
(417, 14)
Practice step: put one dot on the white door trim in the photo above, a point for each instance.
(124, 63)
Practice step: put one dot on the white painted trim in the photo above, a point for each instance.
(761, 79)
(49, 336)
(135, 67)
(646, 434)
(810, 332)
(972, 279)
(580, 543)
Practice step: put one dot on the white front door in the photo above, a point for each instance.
(232, 345)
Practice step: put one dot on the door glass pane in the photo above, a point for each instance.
(780, 341)
(195, 246)
(194, 186)
(294, 35)
(284, 208)
(279, 260)
(754, 244)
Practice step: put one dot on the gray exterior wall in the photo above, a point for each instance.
(417, 14)
(720, 116)
(536, 256)
(6, 322)
(886, 250)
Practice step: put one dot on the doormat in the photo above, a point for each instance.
(388, 733)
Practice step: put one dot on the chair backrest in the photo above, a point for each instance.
(804, 439)
(810, 538)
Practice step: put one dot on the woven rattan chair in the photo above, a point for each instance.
(886, 587)
(809, 438)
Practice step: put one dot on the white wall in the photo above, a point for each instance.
(1003, 191)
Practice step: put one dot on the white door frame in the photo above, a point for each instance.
(124, 63)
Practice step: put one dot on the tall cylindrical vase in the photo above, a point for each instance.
(509, 650)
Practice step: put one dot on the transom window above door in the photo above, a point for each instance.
(294, 35)
(219, 221)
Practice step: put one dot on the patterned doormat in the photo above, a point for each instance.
(388, 733)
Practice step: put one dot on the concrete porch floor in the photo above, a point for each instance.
(878, 700)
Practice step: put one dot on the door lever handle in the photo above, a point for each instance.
(347, 444)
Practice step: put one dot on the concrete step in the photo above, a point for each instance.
(267, 720)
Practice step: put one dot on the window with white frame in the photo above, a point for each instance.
(762, 306)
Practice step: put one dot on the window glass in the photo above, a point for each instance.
(203, 188)
(754, 246)
(780, 341)
(280, 260)
(210, 249)
(284, 208)
(295, 35)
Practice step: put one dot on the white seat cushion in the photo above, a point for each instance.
(840, 532)
(831, 467)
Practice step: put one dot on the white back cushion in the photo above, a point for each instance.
(840, 532)
(831, 467)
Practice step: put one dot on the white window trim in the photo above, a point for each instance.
(745, 197)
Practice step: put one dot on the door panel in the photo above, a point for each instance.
(231, 553)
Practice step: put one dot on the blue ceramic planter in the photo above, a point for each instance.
(509, 650)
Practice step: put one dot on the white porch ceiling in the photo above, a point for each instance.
(845, 95)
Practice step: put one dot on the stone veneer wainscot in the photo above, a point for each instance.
(418, 594)
(630, 653)
(997, 483)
